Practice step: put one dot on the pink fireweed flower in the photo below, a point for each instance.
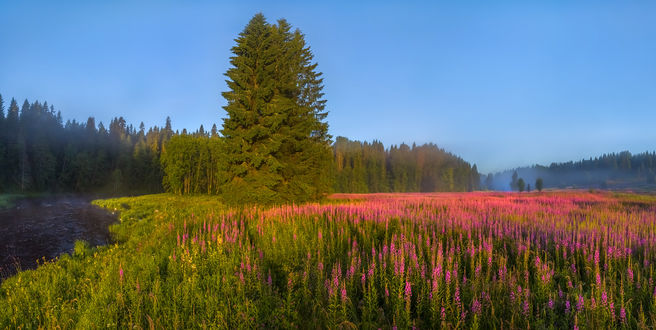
(476, 306)
(622, 315)
(630, 274)
(611, 309)
(598, 279)
(408, 291)
(443, 313)
(567, 306)
(525, 307)
(456, 295)
(604, 298)
(551, 303)
(580, 303)
(343, 293)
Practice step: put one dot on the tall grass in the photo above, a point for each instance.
(475, 260)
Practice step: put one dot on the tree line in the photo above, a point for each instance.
(362, 167)
(612, 171)
(39, 152)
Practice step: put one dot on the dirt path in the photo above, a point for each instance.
(47, 227)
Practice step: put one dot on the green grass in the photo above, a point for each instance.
(85, 289)
(7, 200)
(450, 261)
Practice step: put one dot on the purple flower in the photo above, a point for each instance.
(408, 291)
(525, 307)
(598, 279)
(476, 306)
(580, 303)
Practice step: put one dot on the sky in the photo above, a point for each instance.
(500, 83)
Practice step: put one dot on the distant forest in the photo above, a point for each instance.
(610, 171)
(370, 168)
(39, 152)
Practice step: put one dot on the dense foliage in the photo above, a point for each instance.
(38, 152)
(193, 164)
(369, 167)
(478, 260)
(612, 171)
(276, 144)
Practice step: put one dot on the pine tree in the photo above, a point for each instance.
(513, 182)
(215, 131)
(2, 109)
(305, 151)
(3, 147)
(275, 142)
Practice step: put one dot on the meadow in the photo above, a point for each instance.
(447, 260)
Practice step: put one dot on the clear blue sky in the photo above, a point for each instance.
(501, 84)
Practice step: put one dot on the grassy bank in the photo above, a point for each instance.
(560, 259)
(7, 200)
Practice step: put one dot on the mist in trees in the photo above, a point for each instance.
(514, 184)
(615, 171)
(539, 184)
(362, 167)
(521, 185)
(39, 152)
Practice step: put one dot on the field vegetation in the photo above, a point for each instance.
(450, 260)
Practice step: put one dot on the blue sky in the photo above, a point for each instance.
(502, 84)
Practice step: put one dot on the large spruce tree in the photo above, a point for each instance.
(277, 147)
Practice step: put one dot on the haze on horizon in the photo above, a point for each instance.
(501, 85)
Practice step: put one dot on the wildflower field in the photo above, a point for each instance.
(452, 260)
